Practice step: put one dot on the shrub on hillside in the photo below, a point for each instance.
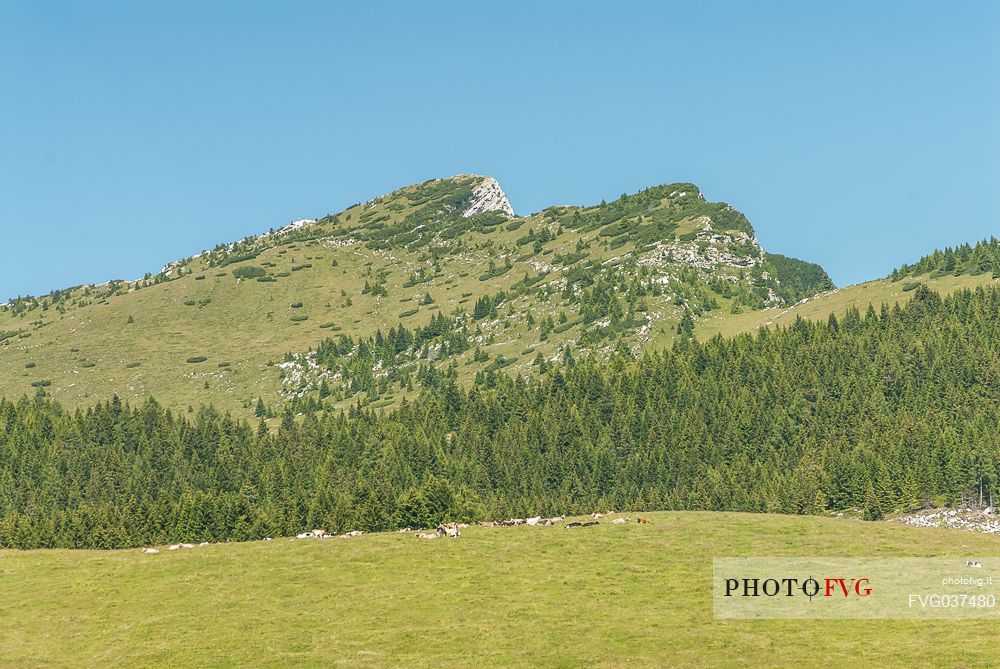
(249, 272)
(197, 358)
(237, 258)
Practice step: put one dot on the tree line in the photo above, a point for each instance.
(982, 258)
(887, 409)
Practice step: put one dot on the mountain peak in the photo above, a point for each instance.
(488, 196)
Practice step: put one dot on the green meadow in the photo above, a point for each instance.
(605, 596)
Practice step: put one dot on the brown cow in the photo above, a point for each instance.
(643, 521)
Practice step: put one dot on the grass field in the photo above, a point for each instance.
(609, 596)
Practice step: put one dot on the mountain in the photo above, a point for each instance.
(485, 366)
(435, 280)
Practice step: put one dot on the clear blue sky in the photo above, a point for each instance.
(855, 134)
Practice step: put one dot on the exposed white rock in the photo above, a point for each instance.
(488, 196)
(301, 223)
(722, 256)
(959, 519)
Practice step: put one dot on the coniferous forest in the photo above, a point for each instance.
(881, 410)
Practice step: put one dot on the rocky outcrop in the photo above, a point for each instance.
(488, 196)
(971, 520)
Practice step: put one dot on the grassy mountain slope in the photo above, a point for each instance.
(943, 271)
(512, 293)
(819, 307)
(475, 288)
(612, 595)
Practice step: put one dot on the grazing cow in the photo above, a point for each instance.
(462, 526)
(970, 563)
(573, 524)
(150, 551)
(452, 532)
(352, 533)
(595, 516)
(519, 521)
(405, 529)
(486, 523)
(643, 521)
(174, 547)
(621, 521)
(533, 521)
(427, 535)
(590, 523)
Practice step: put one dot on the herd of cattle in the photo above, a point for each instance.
(173, 547)
(452, 530)
(321, 534)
